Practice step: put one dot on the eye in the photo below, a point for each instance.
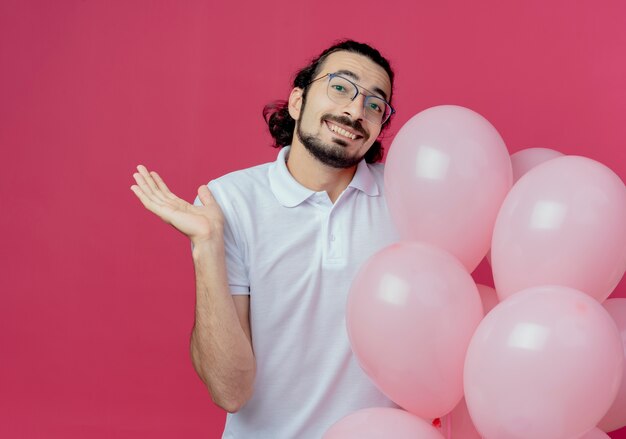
(339, 88)
(375, 107)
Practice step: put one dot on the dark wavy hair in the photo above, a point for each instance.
(276, 114)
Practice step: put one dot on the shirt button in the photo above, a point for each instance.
(332, 238)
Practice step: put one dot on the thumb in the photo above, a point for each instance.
(205, 195)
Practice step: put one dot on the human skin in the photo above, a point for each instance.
(304, 167)
(221, 341)
(221, 346)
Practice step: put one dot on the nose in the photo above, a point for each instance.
(355, 107)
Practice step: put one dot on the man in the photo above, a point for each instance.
(276, 246)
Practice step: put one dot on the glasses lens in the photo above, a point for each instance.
(376, 109)
(341, 90)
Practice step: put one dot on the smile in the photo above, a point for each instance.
(341, 131)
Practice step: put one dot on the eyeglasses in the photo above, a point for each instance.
(343, 91)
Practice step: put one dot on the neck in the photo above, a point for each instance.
(315, 175)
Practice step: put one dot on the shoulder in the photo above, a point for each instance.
(245, 183)
(244, 177)
(238, 185)
(242, 193)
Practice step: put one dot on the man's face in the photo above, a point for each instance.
(321, 124)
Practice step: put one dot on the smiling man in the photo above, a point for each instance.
(276, 246)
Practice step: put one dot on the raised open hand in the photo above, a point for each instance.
(199, 223)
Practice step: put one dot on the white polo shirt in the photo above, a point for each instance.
(295, 254)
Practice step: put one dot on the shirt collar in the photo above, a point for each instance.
(290, 193)
(364, 180)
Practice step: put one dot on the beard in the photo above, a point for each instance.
(331, 154)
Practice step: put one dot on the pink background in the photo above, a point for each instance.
(97, 297)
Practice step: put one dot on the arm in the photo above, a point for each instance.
(221, 348)
(221, 344)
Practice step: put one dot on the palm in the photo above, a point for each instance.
(197, 222)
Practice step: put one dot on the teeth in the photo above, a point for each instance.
(341, 131)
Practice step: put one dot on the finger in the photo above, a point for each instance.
(205, 195)
(145, 200)
(146, 189)
(148, 203)
(161, 185)
(150, 181)
(162, 211)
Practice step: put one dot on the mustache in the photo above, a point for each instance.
(344, 120)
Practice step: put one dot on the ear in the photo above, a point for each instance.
(295, 102)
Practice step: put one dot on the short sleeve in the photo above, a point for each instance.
(236, 268)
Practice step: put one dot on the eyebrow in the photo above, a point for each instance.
(354, 76)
